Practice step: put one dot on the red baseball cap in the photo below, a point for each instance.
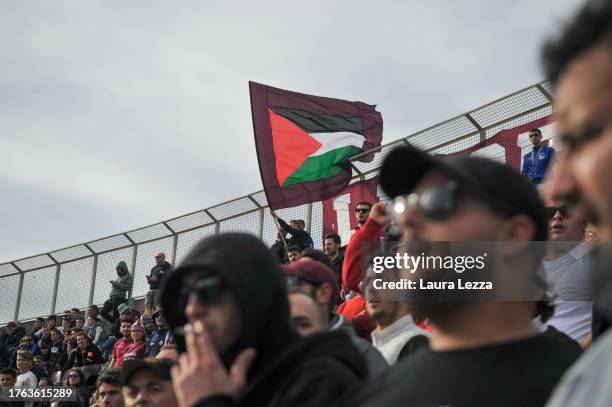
(314, 272)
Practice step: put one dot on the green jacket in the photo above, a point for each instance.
(124, 282)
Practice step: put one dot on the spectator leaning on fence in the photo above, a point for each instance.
(538, 161)
(121, 286)
(161, 268)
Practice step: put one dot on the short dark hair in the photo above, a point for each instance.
(335, 237)
(293, 248)
(93, 306)
(111, 376)
(55, 330)
(535, 130)
(25, 354)
(80, 317)
(318, 255)
(81, 333)
(52, 317)
(126, 321)
(9, 371)
(369, 204)
(592, 24)
(75, 309)
(41, 319)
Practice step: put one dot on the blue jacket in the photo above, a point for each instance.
(537, 172)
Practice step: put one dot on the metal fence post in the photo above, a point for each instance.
(261, 223)
(19, 289)
(55, 287)
(92, 285)
(134, 254)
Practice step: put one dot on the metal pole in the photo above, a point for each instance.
(309, 216)
(174, 246)
(261, 223)
(55, 287)
(92, 285)
(18, 302)
(134, 254)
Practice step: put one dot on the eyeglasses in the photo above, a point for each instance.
(564, 210)
(436, 203)
(362, 210)
(208, 290)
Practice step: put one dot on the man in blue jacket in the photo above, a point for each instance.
(537, 162)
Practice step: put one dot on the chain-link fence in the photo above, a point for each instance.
(77, 276)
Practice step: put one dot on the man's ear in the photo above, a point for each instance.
(324, 293)
(517, 228)
(516, 232)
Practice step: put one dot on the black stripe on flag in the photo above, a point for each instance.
(321, 123)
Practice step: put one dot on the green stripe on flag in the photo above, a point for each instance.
(323, 166)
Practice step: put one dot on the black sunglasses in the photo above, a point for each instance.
(564, 210)
(362, 210)
(438, 202)
(208, 290)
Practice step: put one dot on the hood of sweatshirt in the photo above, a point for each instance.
(255, 279)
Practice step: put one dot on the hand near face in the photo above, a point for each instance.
(379, 214)
(200, 373)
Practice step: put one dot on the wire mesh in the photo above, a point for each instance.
(7, 268)
(107, 271)
(37, 293)
(187, 241)
(71, 253)
(8, 299)
(145, 260)
(73, 285)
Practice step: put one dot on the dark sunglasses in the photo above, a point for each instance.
(438, 202)
(208, 290)
(362, 210)
(564, 210)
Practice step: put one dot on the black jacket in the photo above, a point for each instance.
(288, 370)
(298, 237)
(159, 272)
(57, 356)
(78, 358)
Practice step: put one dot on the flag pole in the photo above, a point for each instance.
(278, 226)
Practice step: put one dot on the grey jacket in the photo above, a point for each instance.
(374, 359)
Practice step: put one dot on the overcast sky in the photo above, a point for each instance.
(115, 114)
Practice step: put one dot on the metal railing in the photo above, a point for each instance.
(78, 275)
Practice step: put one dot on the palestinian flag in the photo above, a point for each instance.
(304, 143)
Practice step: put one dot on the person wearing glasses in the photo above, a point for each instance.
(231, 313)
(362, 211)
(567, 268)
(482, 352)
(537, 162)
(76, 379)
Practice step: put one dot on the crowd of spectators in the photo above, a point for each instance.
(291, 325)
(85, 348)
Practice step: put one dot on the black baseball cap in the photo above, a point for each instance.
(161, 367)
(496, 185)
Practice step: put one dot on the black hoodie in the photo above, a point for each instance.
(288, 370)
